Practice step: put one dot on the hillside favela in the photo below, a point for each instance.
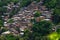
(29, 19)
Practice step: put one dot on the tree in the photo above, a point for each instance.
(37, 0)
(42, 27)
(50, 3)
(10, 37)
(37, 14)
(25, 3)
(2, 10)
(54, 36)
(26, 36)
(40, 30)
(10, 21)
(15, 1)
(1, 23)
(58, 29)
(58, 4)
(56, 16)
(4, 2)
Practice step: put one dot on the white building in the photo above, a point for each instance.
(7, 32)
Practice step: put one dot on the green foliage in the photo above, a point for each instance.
(50, 3)
(37, 14)
(54, 36)
(37, 0)
(3, 9)
(26, 34)
(56, 16)
(15, 1)
(4, 2)
(58, 30)
(9, 37)
(1, 23)
(25, 3)
(43, 27)
(58, 4)
(4, 29)
(10, 21)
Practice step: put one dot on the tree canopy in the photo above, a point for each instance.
(56, 16)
